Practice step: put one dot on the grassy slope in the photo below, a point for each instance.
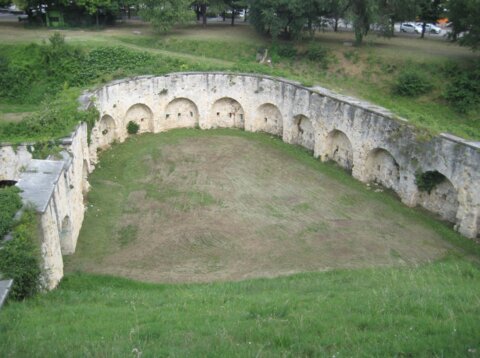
(431, 310)
(369, 74)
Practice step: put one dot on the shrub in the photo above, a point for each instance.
(463, 92)
(352, 55)
(428, 181)
(285, 51)
(10, 203)
(57, 117)
(132, 127)
(318, 54)
(19, 258)
(411, 83)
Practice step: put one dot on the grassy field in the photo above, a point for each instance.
(193, 206)
(426, 311)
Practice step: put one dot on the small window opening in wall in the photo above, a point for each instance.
(266, 120)
(105, 132)
(241, 116)
(378, 167)
(230, 115)
(167, 116)
(7, 183)
(179, 114)
(218, 114)
(444, 196)
(191, 114)
(141, 120)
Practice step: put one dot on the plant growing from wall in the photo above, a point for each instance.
(132, 127)
(428, 181)
(20, 258)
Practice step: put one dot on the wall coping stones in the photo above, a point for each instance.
(5, 287)
(38, 182)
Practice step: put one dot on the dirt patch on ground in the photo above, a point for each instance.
(227, 208)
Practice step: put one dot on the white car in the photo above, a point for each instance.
(432, 29)
(409, 27)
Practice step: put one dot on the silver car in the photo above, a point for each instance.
(409, 27)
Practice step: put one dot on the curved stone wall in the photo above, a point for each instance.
(367, 140)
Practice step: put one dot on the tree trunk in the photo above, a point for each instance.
(204, 14)
(198, 11)
(423, 29)
(96, 19)
(224, 16)
(335, 28)
(233, 17)
(245, 16)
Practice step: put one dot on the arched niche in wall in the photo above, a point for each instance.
(382, 168)
(66, 229)
(7, 183)
(106, 130)
(339, 149)
(142, 115)
(437, 194)
(268, 119)
(227, 113)
(181, 113)
(85, 186)
(303, 132)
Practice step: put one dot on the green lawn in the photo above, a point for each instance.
(426, 311)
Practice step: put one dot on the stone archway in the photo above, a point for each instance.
(339, 149)
(66, 229)
(303, 132)
(7, 183)
(441, 197)
(227, 113)
(85, 184)
(106, 130)
(382, 168)
(268, 119)
(181, 113)
(142, 115)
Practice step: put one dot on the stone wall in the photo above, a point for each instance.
(55, 187)
(368, 141)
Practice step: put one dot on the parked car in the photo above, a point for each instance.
(432, 29)
(409, 27)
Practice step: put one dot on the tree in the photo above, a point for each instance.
(235, 6)
(465, 18)
(93, 7)
(430, 11)
(392, 11)
(203, 6)
(336, 9)
(163, 14)
(285, 18)
(363, 13)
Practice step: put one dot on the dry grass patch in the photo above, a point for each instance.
(191, 206)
